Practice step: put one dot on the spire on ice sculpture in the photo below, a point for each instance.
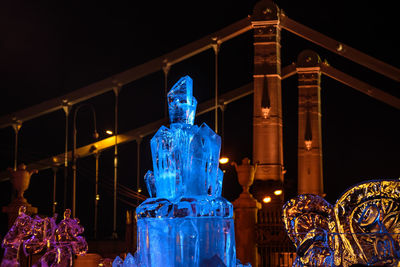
(181, 103)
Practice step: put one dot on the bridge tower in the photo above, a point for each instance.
(272, 242)
(310, 179)
(267, 107)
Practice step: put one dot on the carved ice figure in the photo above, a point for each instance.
(308, 219)
(362, 228)
(185, 222)
(60, 242)
(371, 210)
(42, 235)
(67, 241)
(18, 233)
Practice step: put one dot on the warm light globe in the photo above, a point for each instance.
(109, 132)
(223, 160)
(278, 192)
(267, 199)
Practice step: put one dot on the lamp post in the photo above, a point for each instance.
(97, 196)
(16, 126)
(216, 45)
(54, 204)
(117, 89)
(95, 135)
(66, 105)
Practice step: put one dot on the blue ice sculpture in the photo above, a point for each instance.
(185, 222)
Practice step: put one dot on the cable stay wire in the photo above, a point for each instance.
(106, 182)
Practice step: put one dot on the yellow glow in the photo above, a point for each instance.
(97, 197)
(308, 144)
(223, 160)
(278, 192)
(267, 199)
(109, 132)
(139, 190)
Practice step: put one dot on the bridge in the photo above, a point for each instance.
(265, 26)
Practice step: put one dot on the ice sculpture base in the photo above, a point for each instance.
(186, 242)
(187, 231)
(186, 222)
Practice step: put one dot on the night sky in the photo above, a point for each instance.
(50, 48)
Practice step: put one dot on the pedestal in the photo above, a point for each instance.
(245, 209)
(20, 179)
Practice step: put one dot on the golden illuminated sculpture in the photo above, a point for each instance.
(363, 227)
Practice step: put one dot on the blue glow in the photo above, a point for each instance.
(151, 183)
(129, 261)
(117, 262)
(185, 222)
(181, 103)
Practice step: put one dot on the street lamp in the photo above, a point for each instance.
(223, 160)
(95, 135)
(267, 199)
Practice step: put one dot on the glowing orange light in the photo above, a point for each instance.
(278, 192)
(109, 132)
(267, 199)
(265, 112)
(223, 160)
(139, 190)
(308, 144)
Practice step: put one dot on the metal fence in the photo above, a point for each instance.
(274, 246)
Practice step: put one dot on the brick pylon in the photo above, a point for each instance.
(246, 215)
(267, 111)
(310, 179)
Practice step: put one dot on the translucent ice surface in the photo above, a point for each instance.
(186, 242)
(203, 160)
(151, 183)
(163, 148)
(129, 261)
(117, 262)
(57, 242)
(185, 222)
(181, 103)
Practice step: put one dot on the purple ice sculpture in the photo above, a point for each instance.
(58, 242)
(18, 233)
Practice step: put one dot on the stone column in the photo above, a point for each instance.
(20, 179)
(267, 111)
(310, 179)
(246, 215)
(131, 230)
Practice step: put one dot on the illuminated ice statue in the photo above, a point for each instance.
(59, 243)
(185, 222)
(363, 227)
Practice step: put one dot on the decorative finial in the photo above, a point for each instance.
(181, 103)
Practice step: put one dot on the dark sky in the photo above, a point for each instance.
(49, 48)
